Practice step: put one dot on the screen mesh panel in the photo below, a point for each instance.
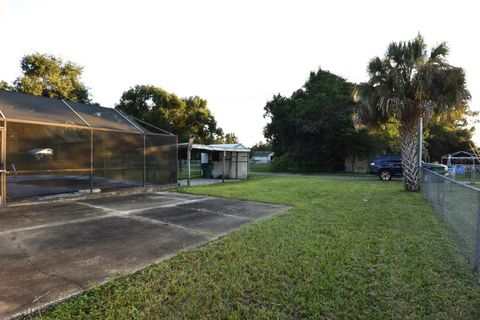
(32, 108)
(118, 160)
(161, 159)
(57, 149)
(104, 118)
(47, 159)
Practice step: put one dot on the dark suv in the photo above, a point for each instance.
(386, 166)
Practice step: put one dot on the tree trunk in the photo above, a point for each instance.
(410, 166)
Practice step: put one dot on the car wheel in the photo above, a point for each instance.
(385, 175)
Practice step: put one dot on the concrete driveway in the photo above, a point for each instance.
(51, 251)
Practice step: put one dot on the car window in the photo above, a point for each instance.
(387, 159)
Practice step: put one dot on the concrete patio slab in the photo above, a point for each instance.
(210, 223)
(238, 208)
(51, 251)
(15, 218)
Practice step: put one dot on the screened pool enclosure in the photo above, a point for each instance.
(51, 147)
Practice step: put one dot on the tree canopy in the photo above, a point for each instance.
(230, 138)
(407, 84)
(444, 136)
(313, 129)
(49, 76)
(181, 116)
(5, 86)
(262, 146)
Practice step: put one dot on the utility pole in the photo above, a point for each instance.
(189, 156)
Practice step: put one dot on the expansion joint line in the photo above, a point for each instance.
(128, 214)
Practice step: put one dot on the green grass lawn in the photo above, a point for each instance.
(260, 167)
(466, 179)
(349, 249)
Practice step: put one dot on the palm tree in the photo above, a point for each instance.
(410, 83)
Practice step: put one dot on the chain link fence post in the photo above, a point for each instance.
(444, 192)
(477, 246)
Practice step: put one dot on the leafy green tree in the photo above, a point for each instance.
(5, 86)
(49, 76)
(313, 129)
(386, 138)
(262, 146)
(446, 136)
(181, 116)
(200, 120)
(442, 136)
(230, 138)
(410, 83)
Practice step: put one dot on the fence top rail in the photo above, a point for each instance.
(453, 181)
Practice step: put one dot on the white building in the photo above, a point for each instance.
(262, 156)
(236, 157)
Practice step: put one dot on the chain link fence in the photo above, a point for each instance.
(195, 169)
(458, 205)
(465, 173)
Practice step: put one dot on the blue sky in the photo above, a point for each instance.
(235, 54)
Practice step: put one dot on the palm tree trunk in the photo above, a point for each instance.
(409, 144)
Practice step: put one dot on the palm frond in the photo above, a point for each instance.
(439, 52)
(375, 66)
(409, 82)
(418, 48)
(395, 53)
(367, 112)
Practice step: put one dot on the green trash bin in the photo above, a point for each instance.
(435, 167)
(439, 169)
(207, 169)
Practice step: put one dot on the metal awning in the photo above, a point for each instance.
(460, 157)
(214, 147)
